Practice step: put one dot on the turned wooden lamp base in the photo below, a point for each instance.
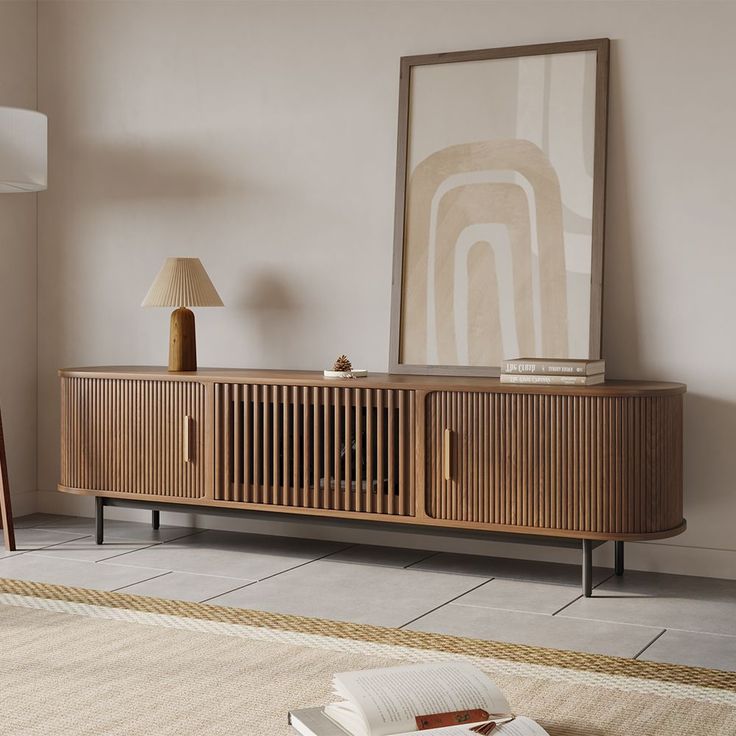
(6, 513)
(182, 341)
(182, 281)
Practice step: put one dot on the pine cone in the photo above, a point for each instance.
(342, 364)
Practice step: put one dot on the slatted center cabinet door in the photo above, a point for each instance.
(337, 448)
(133, 436)
(603, 464)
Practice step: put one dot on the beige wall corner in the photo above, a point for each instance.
(18, 297)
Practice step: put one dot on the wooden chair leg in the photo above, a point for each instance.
(6, 512)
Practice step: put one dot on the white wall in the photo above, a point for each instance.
(261, 137)
(18, 267)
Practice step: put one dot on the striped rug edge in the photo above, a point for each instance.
(566, 659)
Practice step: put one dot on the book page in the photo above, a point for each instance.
(390, 699)
(520, 726)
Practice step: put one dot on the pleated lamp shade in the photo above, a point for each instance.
(182, 282)
(22, 150)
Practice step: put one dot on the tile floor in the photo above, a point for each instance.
(665, 618)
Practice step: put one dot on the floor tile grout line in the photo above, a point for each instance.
(138, 582)
(350, 545)
(193, 533)
(304, 564)
(147, 545)
(248, 581)
(19, 552)
(442, 605)
(227, 592)
(416, 562)
(701, 633)
(88, 535)
(56, 544)
(574, 600)
(612, 621)
(641, 651)
(605, 580)
(536, 581)
(144, 545)
(61, 530)
(15, 553)
(505, 610)
(567, 605)
(650, 626)
(40, 553)
(504, 577)
(130, 551)
(192, 574)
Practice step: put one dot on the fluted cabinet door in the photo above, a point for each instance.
(335, 448)
(142, 437)
(602, 464)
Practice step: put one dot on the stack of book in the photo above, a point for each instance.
(554, 371)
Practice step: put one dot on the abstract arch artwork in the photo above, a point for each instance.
(499, 207)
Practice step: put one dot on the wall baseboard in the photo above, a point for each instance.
(647, 556)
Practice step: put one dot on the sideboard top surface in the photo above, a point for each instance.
(373, 380)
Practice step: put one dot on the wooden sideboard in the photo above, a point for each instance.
(585, 463)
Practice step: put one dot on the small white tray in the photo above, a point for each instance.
(360, 373)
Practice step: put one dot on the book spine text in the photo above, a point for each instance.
(558, 380)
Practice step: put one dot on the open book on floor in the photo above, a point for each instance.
(436, 698)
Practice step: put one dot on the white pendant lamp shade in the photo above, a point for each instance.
(182, 282)
(22, 150)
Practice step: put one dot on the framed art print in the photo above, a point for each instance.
(500, 198)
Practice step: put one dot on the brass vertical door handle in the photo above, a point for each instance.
(188, 423)
(447, 454)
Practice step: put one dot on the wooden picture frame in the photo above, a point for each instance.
(536, 309)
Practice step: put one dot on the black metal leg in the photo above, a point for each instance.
(587, 568)
(99, 518)
(155, 519)
(618, 558)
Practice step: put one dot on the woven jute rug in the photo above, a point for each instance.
(88, 663)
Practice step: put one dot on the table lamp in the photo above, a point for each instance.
(182, 283)
(22, 169)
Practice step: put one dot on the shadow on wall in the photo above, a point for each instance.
(621, 334)
(155, 170)
(710, 428)
(271, 304)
